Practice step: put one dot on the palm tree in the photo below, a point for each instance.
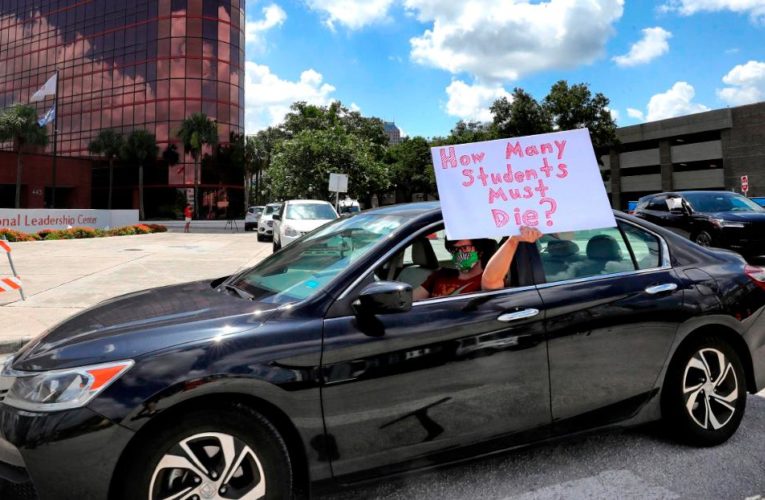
(18, 124)
(108, 143)
(141, 148)
(196, 132)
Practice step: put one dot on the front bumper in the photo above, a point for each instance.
(67, 455)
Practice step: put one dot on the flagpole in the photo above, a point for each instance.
(55, 142)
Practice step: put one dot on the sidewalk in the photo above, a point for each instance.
(64, 277)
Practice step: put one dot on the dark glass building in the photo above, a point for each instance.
(127, 65)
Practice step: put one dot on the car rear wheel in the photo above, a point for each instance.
(703, 238)
(232, 453)
(704, 395)
(260, 237)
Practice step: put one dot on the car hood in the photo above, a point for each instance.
(303, 225)
(740, 216)
(138, 323)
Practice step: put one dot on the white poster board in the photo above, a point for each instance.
(338, 183)
(548, 181)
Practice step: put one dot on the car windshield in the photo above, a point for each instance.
(310, 211)
(305, 267)
(721, 202)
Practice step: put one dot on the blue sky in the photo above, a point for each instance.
(428, 63)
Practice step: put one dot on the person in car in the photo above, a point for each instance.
(468, 274)
(494, 275)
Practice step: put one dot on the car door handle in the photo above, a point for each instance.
(664, 287)
(522, 314)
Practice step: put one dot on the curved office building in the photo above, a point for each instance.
(126, 65)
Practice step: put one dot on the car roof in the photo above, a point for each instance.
(306, 202)
(681, 193)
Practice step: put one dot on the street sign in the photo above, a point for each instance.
(745, 184)
(338, 183)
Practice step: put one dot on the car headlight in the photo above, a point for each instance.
(721, 223)
(291, 231)
(60, 389)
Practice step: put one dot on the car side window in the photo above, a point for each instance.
(582, 254)
(658, 204)
(645, 246)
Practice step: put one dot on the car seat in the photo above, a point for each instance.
(601, 250)
(424, 262)
(558, 257)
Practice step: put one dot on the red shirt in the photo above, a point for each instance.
(187, 212)
(446, 282)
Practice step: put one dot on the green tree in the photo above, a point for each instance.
(140, 148)
(196, 132)
(259, 150)
(301, 165)
(575, 107)
(411, 167)
(170, 155)
(18, 124)
(519, 116)
(464, 132)
(108, 143)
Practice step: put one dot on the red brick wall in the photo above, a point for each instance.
(74, 174)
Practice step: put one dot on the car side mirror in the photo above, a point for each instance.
(277, 217)
(384, 297)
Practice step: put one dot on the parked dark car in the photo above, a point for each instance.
(315, 369)
(710, 218)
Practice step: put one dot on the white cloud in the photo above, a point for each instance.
(614, 113)
(268, 97)
(503, 41)
(353, 14)
(652, 45)
(354, 107)
(273, 16)
(677, 101)
(755, 8)
(747, 84)
(636, 113)
(472, 102)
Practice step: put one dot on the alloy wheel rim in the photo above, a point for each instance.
(710, 389)
(207, 466)
(703, 239)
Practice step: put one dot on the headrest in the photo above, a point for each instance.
(603, 247)
(423, 254)
(561, 248)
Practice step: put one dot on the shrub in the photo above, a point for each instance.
(157, 228)
(45, 232)
(83, 232)
(142, 229)
(13, 235)
(121, 231)
(61, 234)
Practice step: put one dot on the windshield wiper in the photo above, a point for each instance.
(238, 291)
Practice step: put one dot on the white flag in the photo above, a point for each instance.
(47, 117)
(48, 89)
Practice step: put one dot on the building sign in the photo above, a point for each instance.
(33, 220)
(549, 181)
(745, 184)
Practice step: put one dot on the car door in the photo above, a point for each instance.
(612, 312)
(451, 372)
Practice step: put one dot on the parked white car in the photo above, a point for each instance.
(297, 217)
(266, 222)
(251, 218)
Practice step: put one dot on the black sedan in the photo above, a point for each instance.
(710, 218)
(314, 369)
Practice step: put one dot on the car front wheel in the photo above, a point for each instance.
(704, 396)
(703, 238)
(232, 453)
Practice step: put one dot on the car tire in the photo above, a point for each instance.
(169, 462)
(703, 238)
(704, 393)
(260, 237)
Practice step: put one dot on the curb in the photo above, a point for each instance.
(9, 346)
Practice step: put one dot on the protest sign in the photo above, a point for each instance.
(548, 181)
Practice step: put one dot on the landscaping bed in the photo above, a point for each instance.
(80, 232)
